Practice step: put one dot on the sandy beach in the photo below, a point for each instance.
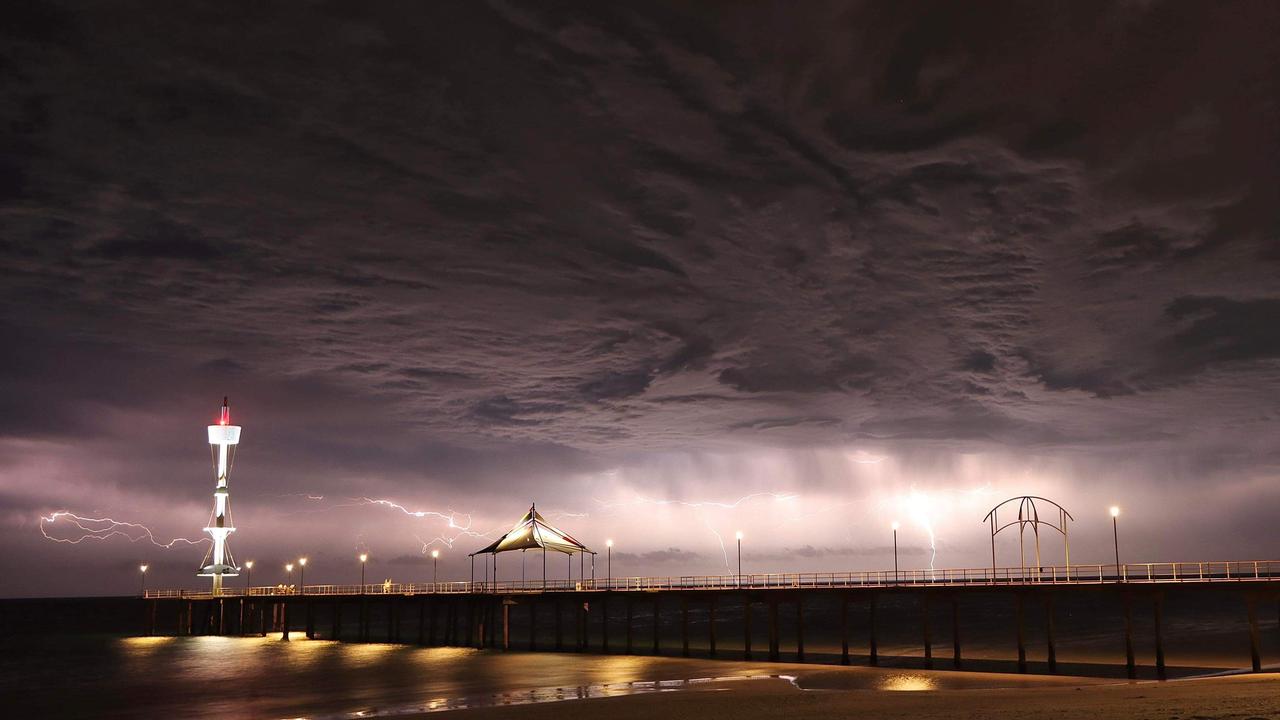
(964, 695)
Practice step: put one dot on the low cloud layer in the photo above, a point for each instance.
(468, 257)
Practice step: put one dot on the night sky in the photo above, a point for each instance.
(670, 270)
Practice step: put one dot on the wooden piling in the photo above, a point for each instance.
(533, 625)
(1049, 628)
(1022, 637)
(1255, 654)
(335, 620)
(1131, 668)
(924, 628)
(871, 631)
(1158, 612)
(684, 626)
(711, 626)
(558, 610)
(773, 629)
(799, 627)
(604, 622)
(657, 624)
(311, 620)
(284, 620)
(746, 627)
(955, 631)
(844, 628)
(629, 618)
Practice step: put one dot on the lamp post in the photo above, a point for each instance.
(895, 551)
(289, 569)
(248, 565)
(608, 546)
(738, 535)
(142, 570)
(302, 577)
(435, 567)
(1115, 537)
(364, 557)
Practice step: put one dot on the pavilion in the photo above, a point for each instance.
(534, 532)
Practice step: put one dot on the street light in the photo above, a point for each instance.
(248, 565)
(608, 546)
(289, 568)
(1115, 537)
(435, 566)
(364, 557)
(302, 580)
(738, 535)
(142, 569)
(895, 550)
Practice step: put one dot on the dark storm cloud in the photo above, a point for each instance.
(481, 247)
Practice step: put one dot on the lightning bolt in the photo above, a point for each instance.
(106, 528)
(720, 540)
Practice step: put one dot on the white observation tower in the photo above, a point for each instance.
(218, 562)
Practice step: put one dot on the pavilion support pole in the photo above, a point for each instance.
(871, 631)
(924, 628)
(746, 627)
(773, 629)
(844, 628)
(1049, 633)
(657, 615)
(955, 631)
(711, 627)
(629, 618)
(1255, 654)
(1159, 615)
(1022, 638)
(1131, 668)
(684, 626)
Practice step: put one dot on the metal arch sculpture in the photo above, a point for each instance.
(1029, 514)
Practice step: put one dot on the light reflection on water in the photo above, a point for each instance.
(265, 677)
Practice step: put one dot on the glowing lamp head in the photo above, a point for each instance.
(288, 567)
(738, 535)
(435, 554)
(302, 562)
(1115, 510)
(364, 557)
(895, 525)
(143, 568)
(608, 543)
(249, 564)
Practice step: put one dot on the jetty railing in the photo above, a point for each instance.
(1093, 574)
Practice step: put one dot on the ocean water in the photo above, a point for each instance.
(225, 677)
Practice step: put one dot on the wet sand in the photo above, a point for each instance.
(962, 696)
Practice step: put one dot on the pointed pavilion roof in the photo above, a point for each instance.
(533, 531)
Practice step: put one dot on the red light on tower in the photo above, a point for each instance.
(226, 413)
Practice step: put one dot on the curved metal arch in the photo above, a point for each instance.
(1029, 514)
